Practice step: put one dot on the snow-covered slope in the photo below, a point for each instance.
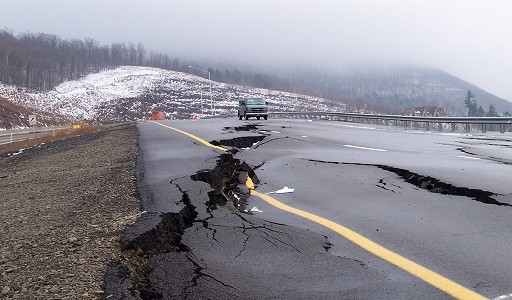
(129, 93)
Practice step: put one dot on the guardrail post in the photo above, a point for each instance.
(484, 128)
(468, 128)
(427, 126)
(453, 127)
(502, 128)
(439, 126)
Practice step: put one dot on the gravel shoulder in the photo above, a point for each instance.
(63, 207)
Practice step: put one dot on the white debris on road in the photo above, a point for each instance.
(283, 191)
(255, 209)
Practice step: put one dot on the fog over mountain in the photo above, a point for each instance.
(59, 79)
(469, 39)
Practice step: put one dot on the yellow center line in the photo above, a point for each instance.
(204, 142)
(442, 283)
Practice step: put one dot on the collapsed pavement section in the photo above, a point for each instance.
(211, 249)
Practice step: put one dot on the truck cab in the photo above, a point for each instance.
(252, 107)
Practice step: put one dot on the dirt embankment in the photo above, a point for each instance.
(11, 114)
(63, 206)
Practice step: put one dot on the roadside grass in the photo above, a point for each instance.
(58, 134)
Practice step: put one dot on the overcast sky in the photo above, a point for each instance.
(471, 39)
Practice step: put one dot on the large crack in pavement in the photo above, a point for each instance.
(152, 234)
(198, 273)
(500, 160)
(242, 142)
(246, 127)
(157, 234)
(168, 254)
(227, 180)
(429, 183)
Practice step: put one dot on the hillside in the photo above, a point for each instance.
(130, 93)
(391, 90)
(11, 114)
(15, 116)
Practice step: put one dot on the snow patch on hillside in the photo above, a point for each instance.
(128, 93)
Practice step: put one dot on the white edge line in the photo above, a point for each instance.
(468, 157)
(366, 148)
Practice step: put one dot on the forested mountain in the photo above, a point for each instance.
(41, 61)
(391, 90)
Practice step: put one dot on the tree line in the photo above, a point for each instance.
(475, 110)
(42, 61)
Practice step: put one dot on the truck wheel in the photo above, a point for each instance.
(257, 118)
(246, 117)
(265, 117)
(240, 117)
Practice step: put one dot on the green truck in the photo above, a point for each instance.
(252, 107)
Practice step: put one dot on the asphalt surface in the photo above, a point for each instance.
(348, 173)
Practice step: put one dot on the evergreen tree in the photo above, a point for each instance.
(492, 111)
(480, 112)
(470, 104)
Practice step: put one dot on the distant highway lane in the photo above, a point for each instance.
(441, 201)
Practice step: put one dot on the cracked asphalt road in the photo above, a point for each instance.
(274, 255)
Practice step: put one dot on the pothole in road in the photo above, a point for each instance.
(246, 127)
(161, 233)
(227, 180)
(239, 142)
(431, 184)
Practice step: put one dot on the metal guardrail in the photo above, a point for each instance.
(16, 135)
(504, 123)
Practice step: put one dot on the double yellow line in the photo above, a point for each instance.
(442, 283)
